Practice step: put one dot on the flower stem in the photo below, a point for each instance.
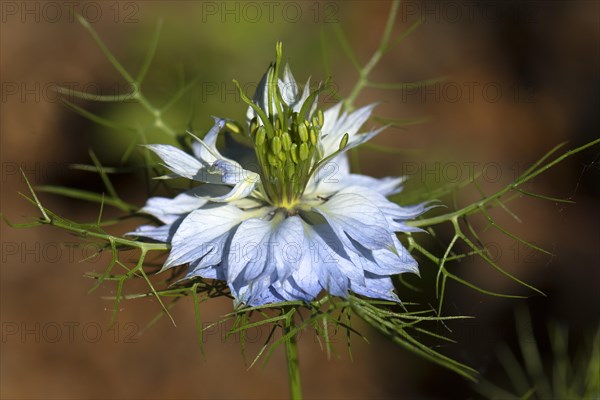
(368, 67)
(291, 353)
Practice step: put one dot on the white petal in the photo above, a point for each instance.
(206, 148)
(386, 186)
(351, 123)
(247, 203)
(297, 106)
(335, 175)
(233, 173)
(330, 119)
(288, 87)
(177, 160)
(168, 209)
(329, 177)
(241, 190)
(334, 131)
(260, 98)
(360, 138)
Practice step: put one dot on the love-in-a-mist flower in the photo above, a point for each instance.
(293, 221)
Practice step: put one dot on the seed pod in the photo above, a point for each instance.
(282, 156)
(294, 153)
(303, 132)
(276, 145)
(286, 141)
(344, 141)
(291, 170)
(260, 136)
(320, 117)
(273, 160)
(314, 121)
(303, 152)
(313, 136)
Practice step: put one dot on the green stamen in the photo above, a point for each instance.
(285, 141)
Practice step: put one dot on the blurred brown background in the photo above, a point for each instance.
(521, 78)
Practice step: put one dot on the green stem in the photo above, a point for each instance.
(368, 67)
(291, 352)
(526, 177)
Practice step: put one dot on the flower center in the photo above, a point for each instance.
(286, 138)
(286, 152)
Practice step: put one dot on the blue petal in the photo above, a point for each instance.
(258, 298)
(303, 284)
(359, 218)
(212, 272)
(377, 286)
(331, 261)
(248, 255)
(393, 212)
(203, 231)
(270, 249)
(387, 262)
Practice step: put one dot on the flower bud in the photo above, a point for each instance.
(253, 125)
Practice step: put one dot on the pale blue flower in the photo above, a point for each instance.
(298, 222)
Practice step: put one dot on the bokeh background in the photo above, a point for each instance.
(521, 77)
